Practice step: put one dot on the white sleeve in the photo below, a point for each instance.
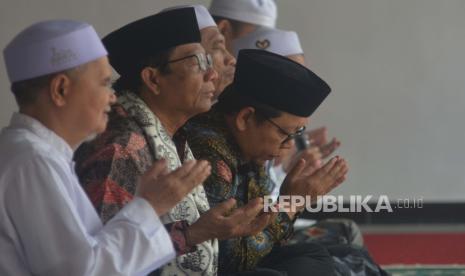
(53, 241)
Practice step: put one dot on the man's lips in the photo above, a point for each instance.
(210, 93)
(107, 111)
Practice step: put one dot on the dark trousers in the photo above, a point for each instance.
(299, 260)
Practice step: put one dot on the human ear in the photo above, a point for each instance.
(244, 118)
(149, 76)
(225, 28)
(59, 89)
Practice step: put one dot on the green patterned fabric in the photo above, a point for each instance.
(233, 177)
(426, 270)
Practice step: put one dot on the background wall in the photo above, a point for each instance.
(397, 69)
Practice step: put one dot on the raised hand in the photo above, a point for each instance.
(224, 222)
(312, 157)
(319, 138)
(163, 189)
(320, 182)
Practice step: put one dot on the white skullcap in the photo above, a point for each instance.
(277, 41)
(204, 19)
(51, 46)
(259, 12)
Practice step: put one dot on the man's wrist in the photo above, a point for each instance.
(194, 237)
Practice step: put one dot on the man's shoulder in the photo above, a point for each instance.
(122, 133)
(18, 145)
(120, 126)
(25, 156)
(207, 128)
(120, 153)
(209, 139)
(204, 135)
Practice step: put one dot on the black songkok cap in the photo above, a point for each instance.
(279, 82)
(148, 36)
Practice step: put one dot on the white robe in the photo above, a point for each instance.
(48, 226)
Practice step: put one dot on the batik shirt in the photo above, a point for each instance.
(110, 165)
(232, 177)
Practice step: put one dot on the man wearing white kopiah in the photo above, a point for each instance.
(60, 78)
(281, 42)
(236, 18)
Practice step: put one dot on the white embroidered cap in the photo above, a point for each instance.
(277, 41)
(259, 12)
(51, 46)
(204, 19)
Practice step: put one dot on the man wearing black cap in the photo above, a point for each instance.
(165, 79)
(255, 119)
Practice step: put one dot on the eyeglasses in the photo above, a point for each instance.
(204, 61)
(290, 136)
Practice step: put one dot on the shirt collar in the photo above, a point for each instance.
(19, 120)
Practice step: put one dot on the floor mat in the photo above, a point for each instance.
(417, 248)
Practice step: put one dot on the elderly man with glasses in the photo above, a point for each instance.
(166, 78)
(214, 43)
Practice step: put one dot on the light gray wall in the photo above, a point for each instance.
(104, 15)
(397, 70)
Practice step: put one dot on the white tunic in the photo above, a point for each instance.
(48, 225)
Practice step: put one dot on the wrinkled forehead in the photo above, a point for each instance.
(211, 35)
(99, 68)
(291, 121)
(187, 49)
(105, 67)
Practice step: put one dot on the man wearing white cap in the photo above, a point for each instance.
(240, 17)
(214, 44)
(60, 77)
(281, 42)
